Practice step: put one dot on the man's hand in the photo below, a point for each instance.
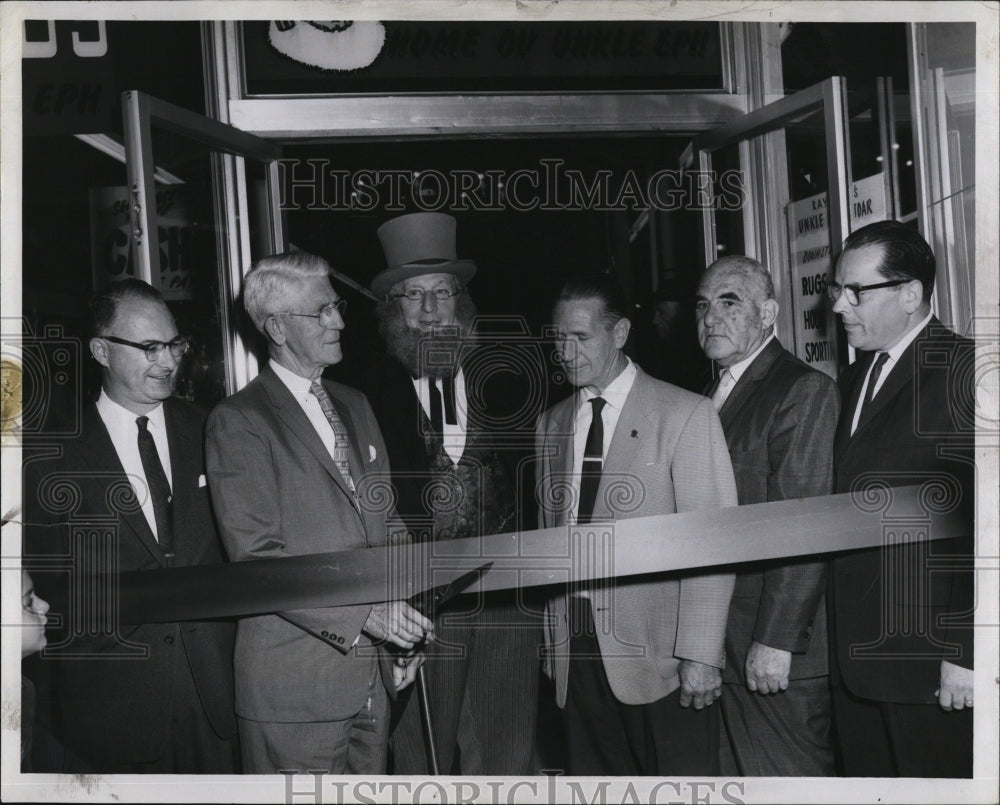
(399, 623)
(955, 692)
(767, 668)
(404, 669)
(700, 684)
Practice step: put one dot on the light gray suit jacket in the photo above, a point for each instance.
(668, 454)
(276, 492)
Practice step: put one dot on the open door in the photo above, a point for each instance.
(204, 204)
(786, 156)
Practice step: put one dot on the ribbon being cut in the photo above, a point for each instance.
(873, 516)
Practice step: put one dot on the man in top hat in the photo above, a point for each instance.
(437, 395)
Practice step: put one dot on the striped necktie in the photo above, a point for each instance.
(341, 452)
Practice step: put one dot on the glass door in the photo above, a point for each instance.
(784, 158)
(202, 203)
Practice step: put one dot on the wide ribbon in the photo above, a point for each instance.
(712, 539)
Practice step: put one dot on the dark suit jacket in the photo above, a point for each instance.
(115, 709)
(779, 422)
(277, 492)
(918, 428)
(501, 397)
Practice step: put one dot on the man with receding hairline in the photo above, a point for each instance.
(777, 414)
(637, 664)
(150, 698)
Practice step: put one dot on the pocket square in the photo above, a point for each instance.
(202, 481)
(371, 452)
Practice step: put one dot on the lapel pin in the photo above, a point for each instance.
(635, 433)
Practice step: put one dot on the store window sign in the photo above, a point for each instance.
(341, 56)
(110, 239)
(809, 240)
(330, 45)
(68, 80)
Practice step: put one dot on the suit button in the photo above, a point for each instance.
(169, 639)
(325, 634)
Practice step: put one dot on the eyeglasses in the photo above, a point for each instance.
(179, 346)
(853, 291)
(325, 314)
(418, 295)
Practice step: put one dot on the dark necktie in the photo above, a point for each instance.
(159, 488)
(593, 457)
(873, 379)
(341, 450)
(437, 404)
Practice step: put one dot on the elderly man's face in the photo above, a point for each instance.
(732, 315)
(130, 378)
(429, 312)
(311, 342)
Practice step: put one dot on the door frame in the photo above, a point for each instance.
(231, 147)
(763, 160)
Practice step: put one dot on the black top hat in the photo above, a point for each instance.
(417, 244)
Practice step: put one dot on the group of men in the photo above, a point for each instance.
(727, 670)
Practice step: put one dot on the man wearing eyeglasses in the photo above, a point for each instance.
(438, 395)
(288, 457)
(901, 617)
(150, 698)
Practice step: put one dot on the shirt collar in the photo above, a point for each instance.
(119, 416)
(737, 369)
(617, 390)
(296, 384)
(897, 349)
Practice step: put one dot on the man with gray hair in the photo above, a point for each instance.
(778, 415)
(286, 456)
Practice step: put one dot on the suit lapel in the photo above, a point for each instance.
(898, 379)
(745, 387)
(98, 451)
(630, 430)
(559, 460)
(295, 419)
(850, 381)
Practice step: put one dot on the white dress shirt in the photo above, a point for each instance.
(124, 433)
(454, 435)
(895, 352)
(614, 396)
(736, 371)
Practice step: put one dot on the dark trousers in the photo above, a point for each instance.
(482, 674)
(884, 739)
(192, 745)
(785, 734)
(606, 737)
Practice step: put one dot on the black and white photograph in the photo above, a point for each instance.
(500, 402)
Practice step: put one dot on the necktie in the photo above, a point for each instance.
(722, 388)
(873, 378)
(341, 451)
(439, 406)
(159, 488)
(593, 456)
